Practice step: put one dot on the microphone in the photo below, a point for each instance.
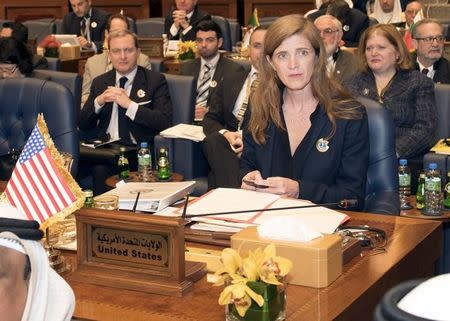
(343, 204)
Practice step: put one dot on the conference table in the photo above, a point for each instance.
(413, 247)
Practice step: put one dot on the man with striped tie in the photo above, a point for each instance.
(210, 68)
(222, 124)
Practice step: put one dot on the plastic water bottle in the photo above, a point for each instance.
(447, 192)
(144, 163)
(404, 179)
(433, 204)
(420, 194)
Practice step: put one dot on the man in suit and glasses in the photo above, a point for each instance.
(87, 23)
(181, 23)
(340, 63)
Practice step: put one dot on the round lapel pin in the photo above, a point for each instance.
(322, 145)
(94, 24)
(213, 84)
(366, 91)
(141, 93)
(346, 27)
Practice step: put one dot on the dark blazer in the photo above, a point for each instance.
(150, 119)
(329, 176)
(71, 25)
(355, 21)
(410, 100)
(346, 65)
(442, 70)
(197, 16)
(221, 103)
(224, 65)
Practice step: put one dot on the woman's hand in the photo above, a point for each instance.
(281, 186)
(248, 182)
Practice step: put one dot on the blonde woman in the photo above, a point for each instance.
(304, 137)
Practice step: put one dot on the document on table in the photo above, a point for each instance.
(191, 132)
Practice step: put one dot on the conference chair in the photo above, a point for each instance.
(185, 156)
(70, 80)
(382, 178)
(150, 27)
(236, 33)
(387, 309)
(157, 64)
(52, 64)
(226, 31)
(266, 21)
(22, 100)
(39, 29)
(132, 24)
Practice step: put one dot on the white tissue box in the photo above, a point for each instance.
(316, 263)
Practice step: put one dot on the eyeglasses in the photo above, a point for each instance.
(328, 31)
(127, 51)
(8, 70)
(431, 39)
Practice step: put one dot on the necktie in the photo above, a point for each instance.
(124, 132)
(83, 31)
(425, 71)
(252, 83)
(203, 88)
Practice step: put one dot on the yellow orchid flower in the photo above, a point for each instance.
(231, 261)
(241, 296)
(273, 266)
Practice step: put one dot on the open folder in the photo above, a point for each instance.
(321, 219)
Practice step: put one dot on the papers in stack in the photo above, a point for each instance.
(191, 132)
(321, 219)
(442, 147)
(153, 197)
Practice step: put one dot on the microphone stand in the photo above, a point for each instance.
(344, 204)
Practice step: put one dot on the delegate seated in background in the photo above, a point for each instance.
(387, 11)
(340, 63)
(87, 23)
(210, 68)
(304, 136)
(181, 23)
(15, 59)
(19, 32)
(428, 39)
(129, 102)
(100, 63)
(387, 76)
(222, 146)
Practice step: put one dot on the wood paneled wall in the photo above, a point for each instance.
(138, 9)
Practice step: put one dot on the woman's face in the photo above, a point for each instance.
(9, 71)
(294, 62)
(381, 55)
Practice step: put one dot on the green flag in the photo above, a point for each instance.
(253, 20)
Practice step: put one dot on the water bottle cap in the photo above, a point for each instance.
(403, 162)
(432, 166)
(144, 145)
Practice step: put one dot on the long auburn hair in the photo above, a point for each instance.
(265, 102)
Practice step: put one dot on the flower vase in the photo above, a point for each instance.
(187, 55)
(273, 309)
(51, 52)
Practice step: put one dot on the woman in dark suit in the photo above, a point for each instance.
(387, 76)
(304, 137)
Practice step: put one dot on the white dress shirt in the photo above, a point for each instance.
(174, 30)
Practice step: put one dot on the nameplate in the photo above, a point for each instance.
(124, 246)
(152, 47)
(132, 251)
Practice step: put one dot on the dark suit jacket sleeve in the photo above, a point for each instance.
(247, 162)
(350, 180)
(88, 117)
(65, 27)
(160, 116)
(422, 135)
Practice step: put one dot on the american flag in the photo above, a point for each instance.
(36, 187)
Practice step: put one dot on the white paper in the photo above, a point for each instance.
(153, 197)
(231, 199)
(67, 39)
(214, 228)
(287, 228)
(191, 132)
(320, 219)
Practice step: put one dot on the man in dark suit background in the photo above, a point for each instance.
(181, 23)
(340, 63)
(428, 40)
(223, 143)
(129, 102)
(354, 22)
(87, 23)
(210, 68)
